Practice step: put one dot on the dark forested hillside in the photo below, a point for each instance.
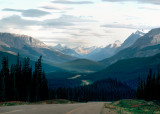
(128, 69)
(103, 90)
(63, 79)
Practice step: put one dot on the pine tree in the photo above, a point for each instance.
(18, 79)
(26, 78)
(18, 83)
(37, 82)
(44, 89)
(13, 82)
(34, 88)
(138, 92)
(4, 80)
(148, 89)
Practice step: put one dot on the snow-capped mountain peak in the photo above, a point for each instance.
(150, 39)
(84, 50)
(140, 32)
(116, 44)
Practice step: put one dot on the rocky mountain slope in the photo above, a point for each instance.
(131, 40)
(30, 47)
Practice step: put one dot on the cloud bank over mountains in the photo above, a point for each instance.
(79, 22)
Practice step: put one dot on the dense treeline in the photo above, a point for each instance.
(103, 90)
(20, 83)
(149, 89)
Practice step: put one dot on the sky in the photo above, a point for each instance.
(79, 22)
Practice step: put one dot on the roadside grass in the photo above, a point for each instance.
(55, 101)
(131, 106)
(12, 103)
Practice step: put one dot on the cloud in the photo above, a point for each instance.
(51, 7)
(69, 42)
(156, 2)
(72, 18)
(55, 7)
(65, 20)
(56, 23)
(17, 21)
(130, 26)
(149, 8)
(71, 2)
(29, 12)
(87, 34)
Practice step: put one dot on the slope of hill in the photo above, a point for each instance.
(61, 79)
(147, 45)
(82, 65)
(28, 46)
(128, 70)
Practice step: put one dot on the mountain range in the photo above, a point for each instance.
(133, 58)
(99, 53)
(30, 47)
(102, 53)
(134, 61)
(145, 46)
(54, 59)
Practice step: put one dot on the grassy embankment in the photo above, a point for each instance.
(134, 107)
